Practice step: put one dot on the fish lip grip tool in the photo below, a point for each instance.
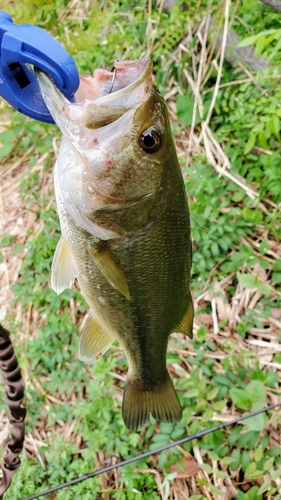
(22, 46)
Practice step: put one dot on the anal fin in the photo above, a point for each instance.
(110, 267)
(63, 267)
(94, 341)
(186, 324)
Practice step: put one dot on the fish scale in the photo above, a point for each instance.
(125, 230)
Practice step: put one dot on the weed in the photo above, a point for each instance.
(74, 422)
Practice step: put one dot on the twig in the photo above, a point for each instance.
(217, 85)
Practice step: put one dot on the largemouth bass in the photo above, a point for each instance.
(125, 228)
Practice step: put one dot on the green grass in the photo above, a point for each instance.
(75, 411)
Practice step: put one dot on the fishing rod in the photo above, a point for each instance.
(153, 452)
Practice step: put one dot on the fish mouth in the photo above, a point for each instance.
(100, 99)
(92, 145)
(108, 85)
(107, 95)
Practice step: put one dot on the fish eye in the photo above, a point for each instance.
(150, 141)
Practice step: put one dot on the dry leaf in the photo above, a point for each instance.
(275, 312)
(190, 469)
(222, 305)
(260, 272)
(204, 319)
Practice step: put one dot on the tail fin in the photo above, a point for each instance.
(162, 402)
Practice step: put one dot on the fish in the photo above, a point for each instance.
(125, 228)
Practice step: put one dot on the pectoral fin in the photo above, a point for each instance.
(186, 324)
(94, 341)
(63, 267)
(110, 267)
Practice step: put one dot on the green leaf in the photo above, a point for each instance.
(241, 495)
(264, 487)
(250, 144)
(256, 423)
(248, 280)
(202, 333)
(233, 435)
(222, 474)
(251, 467)
(6, 150)
(245, 459)
(274, 452)
(213, 455)
(178, 432)
(263, 247)
(277, 265)
(258, 453)
(257, 393)
(252, 494)
(218, 405)
(206, 468)
(212, 394)
(235, 455)
(185, 105)
(263, 143)
(7, 240)
(240, 398)
(256, 474)
(215, 490)
(268, 463)
(6, 143)
(250, 40)
(251, 281)
(207, 415)
(276, 474)
(162, 461)
(192, 393)
(260, 44)
(134, 439)
(252, 215)
(276, 276)
(249, 439)
(274, 127)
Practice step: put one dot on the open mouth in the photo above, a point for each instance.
(104, 97)
(87, 184)
(125, 76)
(101, 99)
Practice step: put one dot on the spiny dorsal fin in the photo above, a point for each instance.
(186, 324)
(110, 267)
(63, 267)
(94, 341)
